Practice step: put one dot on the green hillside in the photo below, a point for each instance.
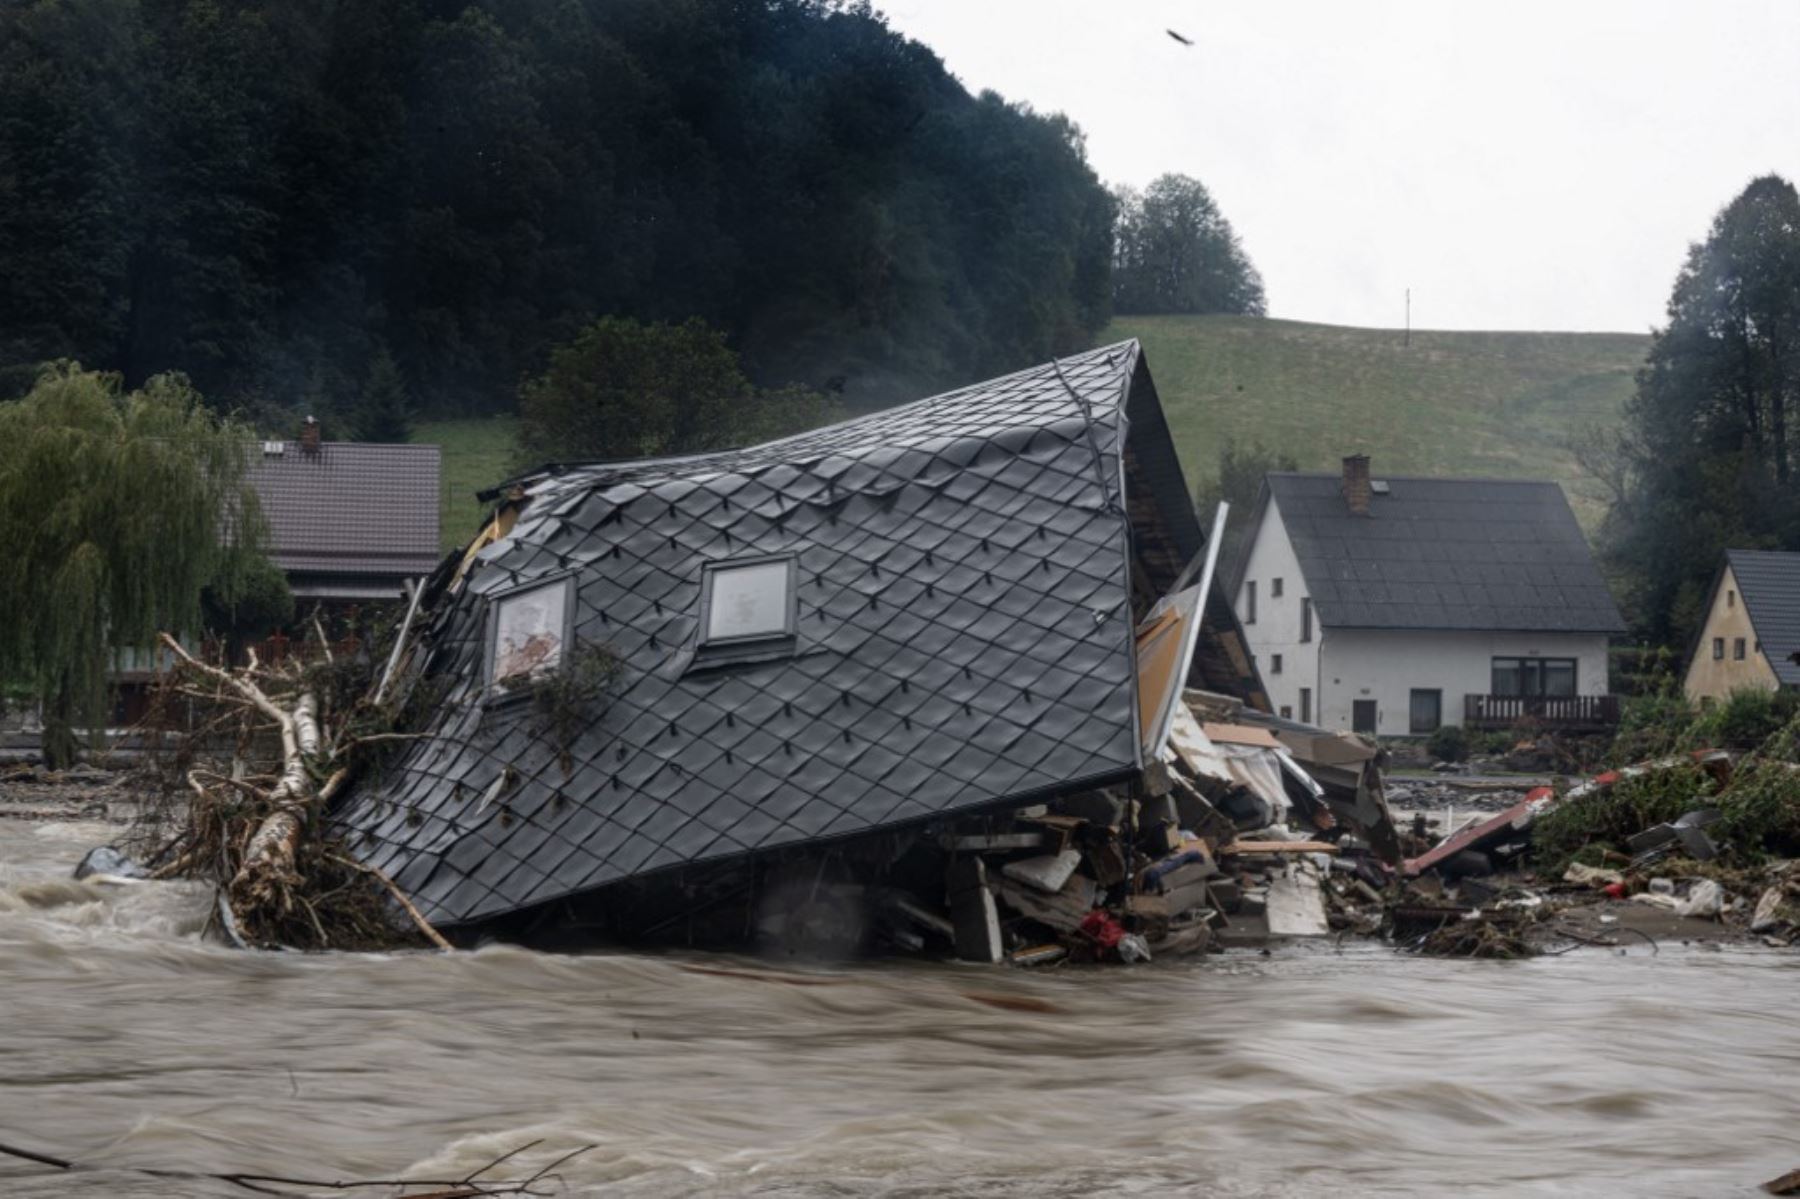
(1503, 404)
(477, 453)
(1500, 404)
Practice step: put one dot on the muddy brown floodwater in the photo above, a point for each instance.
(126, 1041)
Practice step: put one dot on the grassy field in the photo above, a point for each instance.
(477, 454)
(1503, 404)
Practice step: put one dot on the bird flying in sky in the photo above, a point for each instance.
(1184, 41)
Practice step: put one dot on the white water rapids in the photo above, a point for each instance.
(125, 1041)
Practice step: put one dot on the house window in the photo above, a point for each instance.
(1306, 620)
(746, 601)
(1274, 663)
(1718, 648)
(1730, 598)
(1536, 677)
(1287, 711)
(1306, 705)
(1250, 602)
(1275, 588)
(1737, 649)
(1425, 711)
(528, 632)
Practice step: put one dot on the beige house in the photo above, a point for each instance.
(1752, 628)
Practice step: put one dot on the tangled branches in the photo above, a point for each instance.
(265, 750)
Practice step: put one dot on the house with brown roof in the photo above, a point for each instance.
(349, 524)
(349, 521)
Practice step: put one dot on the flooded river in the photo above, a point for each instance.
(127, 1042)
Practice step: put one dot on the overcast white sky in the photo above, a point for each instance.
(1529, 165)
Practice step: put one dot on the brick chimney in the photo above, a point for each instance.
(309, 439)
(1356, 483)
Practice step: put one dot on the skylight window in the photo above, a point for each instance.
(747, 601)
(528, 632)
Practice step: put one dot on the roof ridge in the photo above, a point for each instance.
(1131, 347)
(1383, 478)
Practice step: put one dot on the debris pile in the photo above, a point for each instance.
(1685, 838)
(30, 792)
(1226, 841)
(242, 790)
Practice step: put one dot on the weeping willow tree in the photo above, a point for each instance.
(117, 509)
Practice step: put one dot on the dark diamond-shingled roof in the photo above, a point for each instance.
(1444, 554)
(964, 640)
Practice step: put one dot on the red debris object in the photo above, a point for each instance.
(1539, 800)
(1474, 836)
(1100, 928)
(1615, 890)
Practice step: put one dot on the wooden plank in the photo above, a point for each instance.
(991, 842)
(1186, 897)
(1240, 734)
(973, 912)
(1296, 907)
(1063, 912)
(1249, 848)
(1047, 872)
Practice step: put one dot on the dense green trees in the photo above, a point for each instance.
(1176, 252)
(625, 390)
(117, 510)
(1710, 458)
(263, 195)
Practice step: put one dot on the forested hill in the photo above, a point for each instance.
(267, 194)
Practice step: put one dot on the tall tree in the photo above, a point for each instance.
(1174, 251)
(383, 412)
(624, 390)
(119, 509)
(1710, 451)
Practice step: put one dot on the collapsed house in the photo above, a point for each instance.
(880, 676)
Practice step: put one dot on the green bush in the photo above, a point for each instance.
(1651, 726)
(1746, 719)
(1493, 743)
(1760, 810)
(1608, 817)
(1449, 743)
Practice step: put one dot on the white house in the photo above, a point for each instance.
(1391, 606)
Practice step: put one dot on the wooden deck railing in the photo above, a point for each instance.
(1568, 712)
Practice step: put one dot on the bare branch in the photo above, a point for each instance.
(418, 917)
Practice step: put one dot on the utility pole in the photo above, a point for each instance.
(1407, 340)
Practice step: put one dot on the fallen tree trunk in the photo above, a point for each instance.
(257, 828)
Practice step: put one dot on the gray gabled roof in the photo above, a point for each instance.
(351, 509)
(964, 639)
(1473, 554)
(1769, 584)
